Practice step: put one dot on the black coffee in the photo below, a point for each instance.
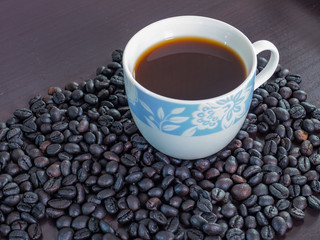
(190, 68)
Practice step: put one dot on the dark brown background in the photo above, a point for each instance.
(48, 43)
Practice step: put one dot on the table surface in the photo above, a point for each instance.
(49, 43)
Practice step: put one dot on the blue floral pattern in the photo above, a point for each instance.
(191, 119)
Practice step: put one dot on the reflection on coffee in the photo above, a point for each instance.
(190, 68)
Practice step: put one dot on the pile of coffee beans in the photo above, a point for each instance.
(77, 157)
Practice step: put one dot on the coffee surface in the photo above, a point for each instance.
(190, 68)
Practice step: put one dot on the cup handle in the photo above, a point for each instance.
(267, 72)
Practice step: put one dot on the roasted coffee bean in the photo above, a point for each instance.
(38, 211)
(314, 202)
(81, 234)
(204, 205)
(19, 225)
(306, 190)
(68, 192)
(54, 213)
(281, 114)
(28, 217)
(270, 211)
(105, 193)
(252, 234)
(158, 217)
(65, 234)
(300, 202)
(315, 186)
(261, 219)
(315, 159)
(198, 221)
(287, 217)
(30, 197)
(265, 200)
(282, 204)
(228, 210)
(34, 231)
(299, 179)
(279, 191)
(53, 149)
(162, 235)
(217, 194)
(250, 222)
(241, 191)
(59, 203)
(128, 160)
(134, 177)
(143, 232)
(23, 207)
(63, 221)
(24, 162)
(267, 233)
(110, 204)
(52, 185)
(194, 234)
(269, 117)
(4, 230)
(18, 234)
(11, 189)
(297, 111)
(80, 222)
(181, 189)
(212, 228)
(224, 183)
(22, 113)
(99, 212)
(297, 213)
(125, 216)
(236, 221)
(12, 200)
(235, 233)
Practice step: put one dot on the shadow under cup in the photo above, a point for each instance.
(189, 129)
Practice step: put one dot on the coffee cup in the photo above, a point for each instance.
(193, 129)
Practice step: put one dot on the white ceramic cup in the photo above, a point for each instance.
(192, 129)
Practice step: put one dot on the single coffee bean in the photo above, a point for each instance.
(30, 197)
(38, 210)
(297, 213)
(194, 234)
(81, 234)
(18, 234)
(235, 233)
(158, 217)
(270, 211)
(63, 221)
(212, 228)
(315, 186)
(34, 231)
(282, 204)
(252, 234)
(300, 202)
(228, 210)
(11, 189)
(279, 191)
(162, 235)
(267, 233)
(125, 216)
(314, 202)
(204, 205)
(241, 191)
(198, 221)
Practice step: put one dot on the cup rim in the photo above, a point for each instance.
(129, 74)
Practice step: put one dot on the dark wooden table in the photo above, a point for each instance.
(49, 43)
